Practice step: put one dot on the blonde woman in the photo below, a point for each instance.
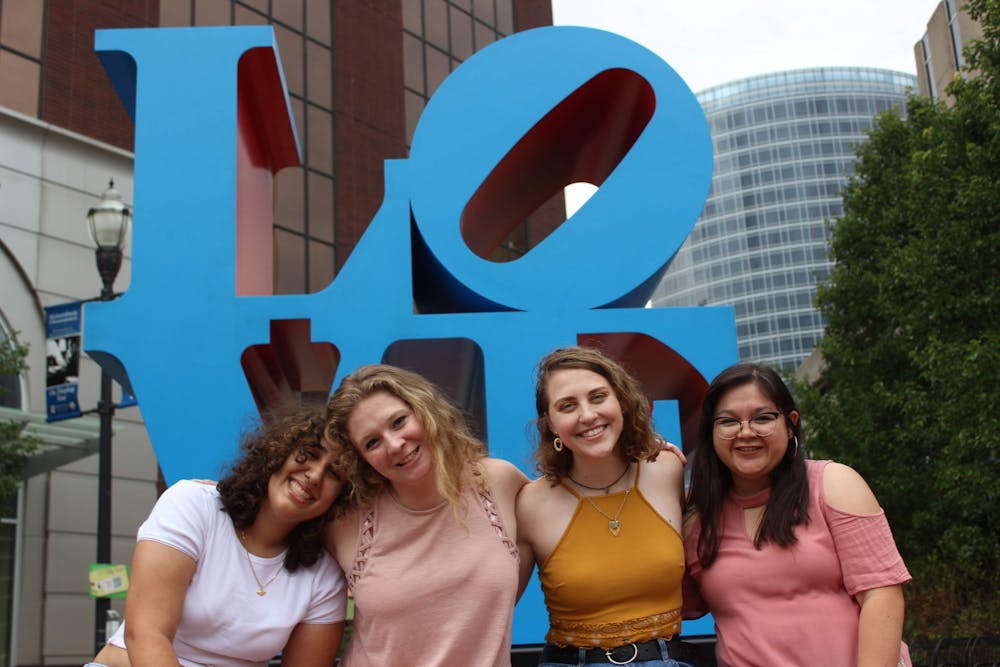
(430, 553)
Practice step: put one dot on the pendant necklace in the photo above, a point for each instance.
(253, 570)
(614, 523)
(606, 489)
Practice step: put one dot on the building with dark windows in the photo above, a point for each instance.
(784, 148)
(939, 52)
(359, 73)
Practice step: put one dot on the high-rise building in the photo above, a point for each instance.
(939, 52)
(359, 73)
(784, 148)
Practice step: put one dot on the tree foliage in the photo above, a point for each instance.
(909, 392)
(15, 446)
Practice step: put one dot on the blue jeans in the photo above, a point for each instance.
(664, 661)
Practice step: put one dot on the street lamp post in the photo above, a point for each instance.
(108, 225)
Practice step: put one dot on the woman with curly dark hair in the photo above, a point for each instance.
(235, 573)
(603, 522)
(430, 553)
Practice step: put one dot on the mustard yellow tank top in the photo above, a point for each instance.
(603, 590)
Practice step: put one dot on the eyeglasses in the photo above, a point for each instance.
(762, 425)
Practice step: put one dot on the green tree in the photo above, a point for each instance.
(909, 392)
(15, 446)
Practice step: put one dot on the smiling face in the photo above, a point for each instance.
(305, 485)
(390, 437)
(584, 412)
(751, 458)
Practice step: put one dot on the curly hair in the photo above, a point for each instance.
(711, 480)
(637, 441)
(454, 450)
(290, 430)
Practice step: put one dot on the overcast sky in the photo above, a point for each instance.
(709, 42)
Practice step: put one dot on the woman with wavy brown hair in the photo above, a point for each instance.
(235, 573)
(430, 552)
(603, 522)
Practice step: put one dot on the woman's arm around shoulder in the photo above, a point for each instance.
(313, 645)
(662, 482)
(505, 478)
(159, 583)
(529, 504)
(667, 467)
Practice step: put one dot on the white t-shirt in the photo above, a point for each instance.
(224, 621)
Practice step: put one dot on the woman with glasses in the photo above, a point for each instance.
(794, 558)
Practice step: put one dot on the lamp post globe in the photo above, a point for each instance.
(108, 224)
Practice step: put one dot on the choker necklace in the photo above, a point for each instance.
(605, 489)
(614, 524)
(253, 570)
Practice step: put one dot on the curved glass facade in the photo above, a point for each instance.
(784, 147)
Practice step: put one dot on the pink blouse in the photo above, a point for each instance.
(791, 606)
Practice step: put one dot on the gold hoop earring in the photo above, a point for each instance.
(557, 444)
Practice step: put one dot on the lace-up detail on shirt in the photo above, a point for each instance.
(405, 555)
(493, 514)
(366, 536)
(366, 533)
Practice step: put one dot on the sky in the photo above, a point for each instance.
(710, 42)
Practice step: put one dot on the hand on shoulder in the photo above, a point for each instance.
(667, 446)
(666, 463)
(847, 491)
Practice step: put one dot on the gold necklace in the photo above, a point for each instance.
(614, 523)
(253, 570)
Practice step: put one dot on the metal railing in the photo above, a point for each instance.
(983, 651)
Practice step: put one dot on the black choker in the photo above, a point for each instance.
(605, 489)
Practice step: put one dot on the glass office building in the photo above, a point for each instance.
(784, 148)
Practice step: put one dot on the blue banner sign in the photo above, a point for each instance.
(63, 331)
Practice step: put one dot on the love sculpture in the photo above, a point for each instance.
(201, 341)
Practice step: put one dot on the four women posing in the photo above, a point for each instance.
(793, 558)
